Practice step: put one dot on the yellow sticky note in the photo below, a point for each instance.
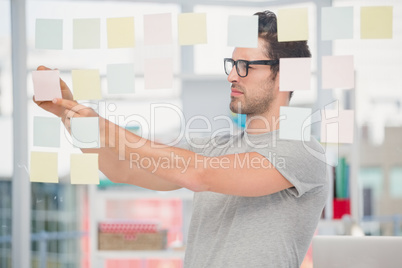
(120, 32)
(292, 24)
(43, 167)
(84, 169)
(376, 22)
(192, 28)
(86, 84)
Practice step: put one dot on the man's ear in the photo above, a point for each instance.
(277, 80)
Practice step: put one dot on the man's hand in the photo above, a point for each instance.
(50, 106)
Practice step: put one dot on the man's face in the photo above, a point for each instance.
(253, 94)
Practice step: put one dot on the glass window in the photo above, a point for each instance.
(6, 134)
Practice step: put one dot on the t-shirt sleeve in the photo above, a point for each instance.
(302, 164)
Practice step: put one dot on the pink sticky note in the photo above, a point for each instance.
(158, 73)
(46, 85)
(337, 126)
(294, 74)
(338, 72)
(158, 29)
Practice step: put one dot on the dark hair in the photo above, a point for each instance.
(268, 31)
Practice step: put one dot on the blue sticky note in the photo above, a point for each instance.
(295, 123)
(85, 132)
(46, 132)
(336, 23)
(49, 34)
(243, 31)
(120, 78)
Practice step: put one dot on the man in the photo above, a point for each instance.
(257, 199)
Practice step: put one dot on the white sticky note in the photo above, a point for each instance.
(85, 132)
(46, 85)
(337, 126)
(43, 167)
(158, 29)
(376, 22)
(336, 23)
(49, 34)
(84, 169)
(46, 132)
(120, 78)
(86, 84)
(338, 72)
(292, 24)
(192, 28)
(120, 32)
(295, 123)
(295, 74)
(243, 31)
(158, 73)
(86, 33)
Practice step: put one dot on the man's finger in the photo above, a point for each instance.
(42, 68)
(69, 104)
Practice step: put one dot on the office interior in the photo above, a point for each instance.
(63, 225)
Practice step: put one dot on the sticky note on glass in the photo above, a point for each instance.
(46, 131)
(192, 28)
(49, 34)
(158, 29)
(376, 22)
(84, 169)
(336, 23)
(120, 78)
(86, 84)
(337, 126)
(43, 167)
(46, 85)
(395, 182)
(295, 74)
(292, 24)
(243, 31)
(86, 33)
(338, 72)
(295, 123)
(158, 73)
(120, 32)
(85, 132)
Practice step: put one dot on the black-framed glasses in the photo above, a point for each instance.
(242, 65)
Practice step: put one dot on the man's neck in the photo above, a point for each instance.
(258, 124)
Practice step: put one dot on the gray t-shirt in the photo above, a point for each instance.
(267, 231)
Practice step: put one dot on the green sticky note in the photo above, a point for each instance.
(43, 167)
(120, 78)
(120, 32)
(85, 132)
(86, 33)
(192, 28)
(86, 84)
(46, 131)
(84, 169)
(376, 22)
(49, 34)
(292, 24)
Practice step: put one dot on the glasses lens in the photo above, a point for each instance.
(228, 66)
(241, 68)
